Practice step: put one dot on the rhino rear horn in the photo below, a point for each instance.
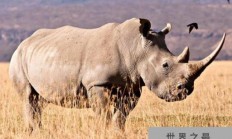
(184, 56)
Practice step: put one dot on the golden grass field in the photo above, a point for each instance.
(209, 105)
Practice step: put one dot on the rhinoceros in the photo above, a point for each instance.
(103, 68)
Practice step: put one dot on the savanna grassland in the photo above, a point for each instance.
(209, 105)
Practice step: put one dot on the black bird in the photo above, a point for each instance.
(228, 1)
(191, 26)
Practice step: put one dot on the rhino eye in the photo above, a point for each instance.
(165, 65)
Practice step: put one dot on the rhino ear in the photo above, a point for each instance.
(167, 29)
(144, 27)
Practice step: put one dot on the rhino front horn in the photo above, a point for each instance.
(197, 68)
(167, 29)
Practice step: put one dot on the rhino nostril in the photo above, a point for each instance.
(179, 86)
(179, 95)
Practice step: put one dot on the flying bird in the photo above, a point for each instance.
(191, 26)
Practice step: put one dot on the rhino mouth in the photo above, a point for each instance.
(172, 98)
(180, 95)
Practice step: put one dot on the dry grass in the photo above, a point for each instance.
(209, 105)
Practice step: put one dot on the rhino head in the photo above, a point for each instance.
(170, 77)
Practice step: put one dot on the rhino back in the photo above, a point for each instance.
(56, 62)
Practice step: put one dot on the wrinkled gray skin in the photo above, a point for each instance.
(103, 68)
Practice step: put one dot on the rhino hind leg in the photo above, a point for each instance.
(33, 104)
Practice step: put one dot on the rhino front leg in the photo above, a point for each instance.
(100, 102)
(124, 101)
(113, 105)
(98, 99)
(118, 119)
(33, 104)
